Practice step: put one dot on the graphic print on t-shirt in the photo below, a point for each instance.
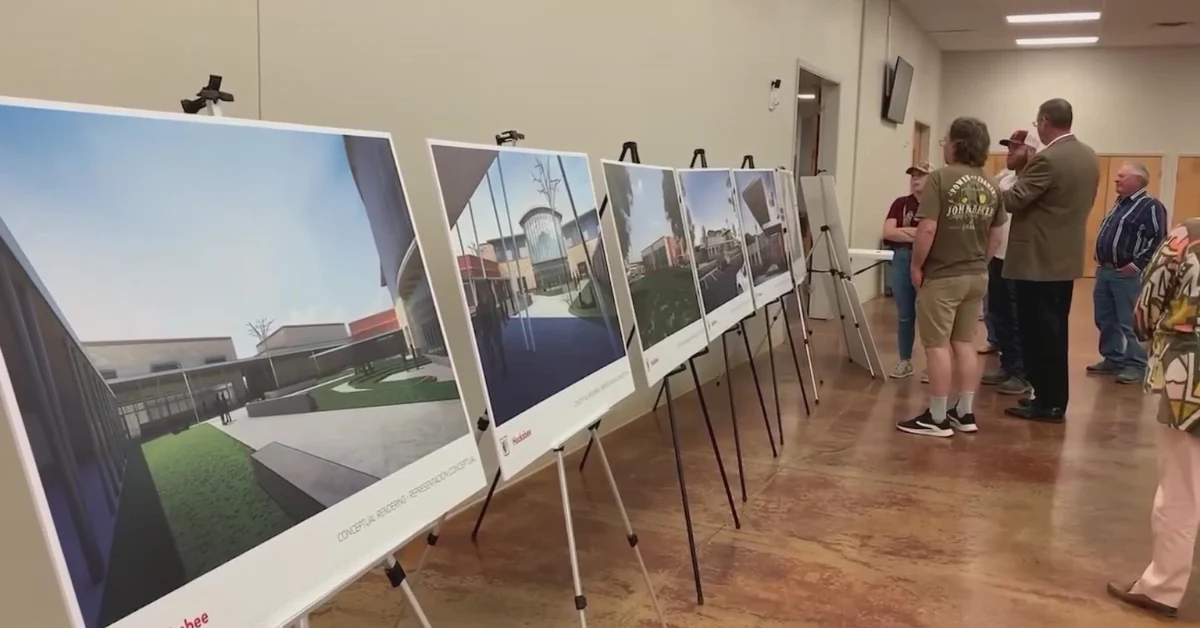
(972, 200)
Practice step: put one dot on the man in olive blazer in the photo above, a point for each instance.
(1049, 205)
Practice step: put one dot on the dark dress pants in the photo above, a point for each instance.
(1043, 312)
(1002, 319)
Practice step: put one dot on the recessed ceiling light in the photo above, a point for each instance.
(806, 96)
(1058, 41)
(1054, 18)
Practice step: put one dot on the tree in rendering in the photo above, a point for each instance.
(260, 328)
(671, 204)
(620, 188)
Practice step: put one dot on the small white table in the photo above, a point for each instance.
(878, 255)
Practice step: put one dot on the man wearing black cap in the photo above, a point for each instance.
(1001, 298)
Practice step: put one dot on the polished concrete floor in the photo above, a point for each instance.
(854, 524)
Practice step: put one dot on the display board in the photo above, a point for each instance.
(797, 227)
(225, 373)
(525, 230)
(719, 248)
(830, 251)
(763, 229)
(654, 245)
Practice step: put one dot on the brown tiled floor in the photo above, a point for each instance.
(855, 524)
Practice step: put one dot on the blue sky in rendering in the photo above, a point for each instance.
(707, 196)
(648, 216)
(522, 193)
(149, 228)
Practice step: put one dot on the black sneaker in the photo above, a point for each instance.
(964, 423)
(923, 425)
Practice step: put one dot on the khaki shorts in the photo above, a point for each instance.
(948, 309)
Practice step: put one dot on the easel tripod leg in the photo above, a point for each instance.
(587, 451)
(774, 377)
(487, 501)
(737, 439)
(795, 358)
(687, 510)
(399, 580)
(808, 355)
(758, 388)
(431, 540)
(580, 599)
(633, 539)
(712, 437)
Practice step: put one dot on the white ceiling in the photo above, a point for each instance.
(980, 24)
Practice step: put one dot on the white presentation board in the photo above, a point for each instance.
(656, 253)
(762, 219)
(719, 248)
(225, 373)
(525, 230)
(819, 195)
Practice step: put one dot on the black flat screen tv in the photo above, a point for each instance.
(897, 87)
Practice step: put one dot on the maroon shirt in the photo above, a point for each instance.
(904, 212)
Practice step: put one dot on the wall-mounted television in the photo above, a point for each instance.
(897, 86)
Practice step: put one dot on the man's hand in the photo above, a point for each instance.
(910, 231)
(1129, 270)
(916, 275)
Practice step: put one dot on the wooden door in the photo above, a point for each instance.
(1106, 197)
(996, 163)
(1096, 216)
(921, 140)
(1187, 191)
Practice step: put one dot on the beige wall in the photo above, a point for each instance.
(1127, 101)
(884, 149)
(672, 75)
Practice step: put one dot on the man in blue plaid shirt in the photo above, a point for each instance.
(1128, 237)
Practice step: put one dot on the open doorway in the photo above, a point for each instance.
(817, 106)
(808, 124)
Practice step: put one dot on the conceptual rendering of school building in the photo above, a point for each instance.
(548, 254)
(768, 249)
(133, 453)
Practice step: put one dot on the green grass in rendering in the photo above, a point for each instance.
(365, 390)
(664, 302)
(213, 504)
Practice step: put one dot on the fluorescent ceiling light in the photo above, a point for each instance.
(1057, 41)
(1054, 18)
(806, 96)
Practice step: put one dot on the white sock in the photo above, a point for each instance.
(937, 407)
(965, 403)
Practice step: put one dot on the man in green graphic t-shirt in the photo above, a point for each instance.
(959, 231)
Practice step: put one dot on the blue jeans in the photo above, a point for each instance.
(1115, 296)
(906, 302)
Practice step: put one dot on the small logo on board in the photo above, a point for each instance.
(504, 445)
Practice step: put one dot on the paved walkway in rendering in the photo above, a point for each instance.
(377, 441)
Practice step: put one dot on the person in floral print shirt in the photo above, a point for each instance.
(1166, 315)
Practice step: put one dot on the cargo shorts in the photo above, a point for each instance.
(948, 309)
